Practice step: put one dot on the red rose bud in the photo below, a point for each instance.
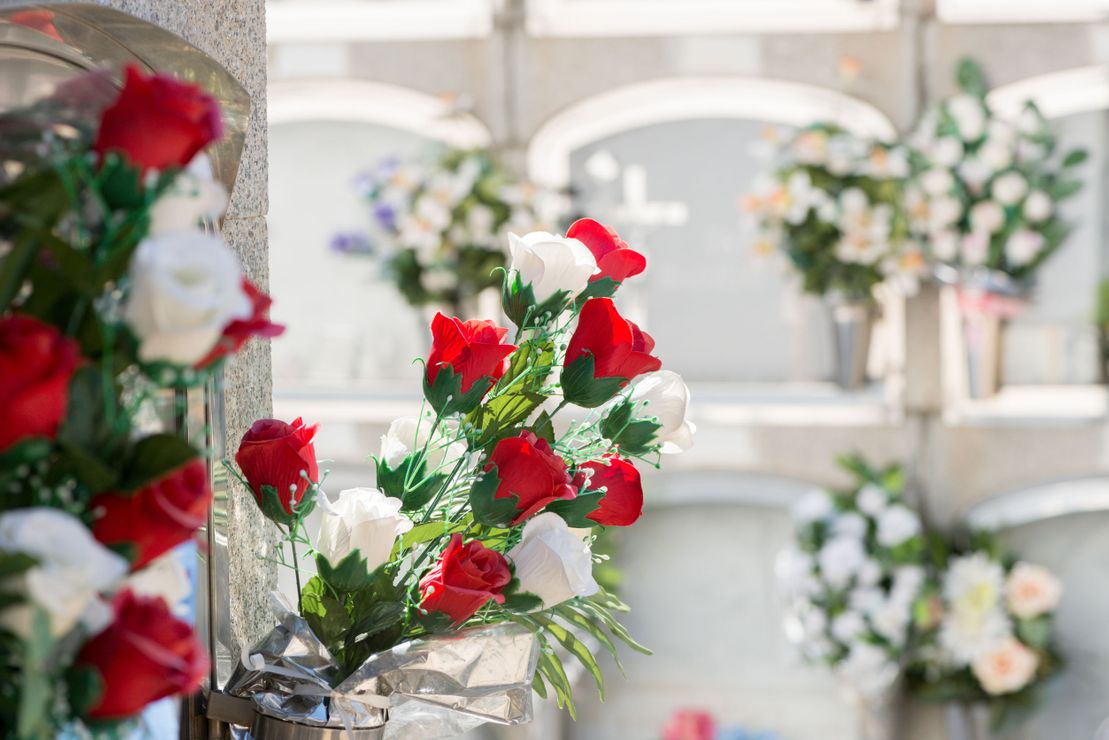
(464, 580)
(605, 352)
(157, 517)
(273, 453)
(36, 365)
(158, 122)
(475, 353)
(528, 469)
(144, 655)
(622, 504)
(615, 259)
(236, 333)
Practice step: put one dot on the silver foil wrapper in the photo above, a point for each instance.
(426, 688)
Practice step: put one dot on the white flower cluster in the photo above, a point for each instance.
(981, 605)
(852, 580)
(978, 197)
(827, 181)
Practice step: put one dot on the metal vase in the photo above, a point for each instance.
(852, 324)
(968, 721)
(982, 348)
(878, 714)
(271, 728)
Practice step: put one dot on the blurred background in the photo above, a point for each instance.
(654, 116)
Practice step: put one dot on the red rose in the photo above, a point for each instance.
(475, 349)
(157, 517)
(158, 122)
(236, 333)
(618, 347)
(276, 454)
(36, 364)
(528, 469)
(614, 257)
(622, 503)
(144, 655)
(690, 724)
(464, 580)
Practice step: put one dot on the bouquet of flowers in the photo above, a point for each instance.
(487, 501)
(112, 297)
(440, 228)
(985, 190)
(833, 205)
(853, 577)
(986, 631)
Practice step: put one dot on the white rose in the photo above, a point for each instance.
(840, 559)
(408, 434)
(907, 581)
(975, 248)
(945, 245)
(996, 155)
(362, 519)
(164, 578)
(1007, 667)
(891, 620)
(847, 626)
(937, 181)
(551, 562)
(872, 499)
(193, 195)
(1009, 188)
(868, 669)
(72, 568)
(870, 573)
(896, 525)
(1038, 206)
(947, 151)
(975, 172)
(969, 115)
(664, 397)
(944, 211)
(186, 286)
(1032, 590)
(1023, 246)
(987, 217)
(814, 506)
(551, 263)
(865, 600)
(849, 524)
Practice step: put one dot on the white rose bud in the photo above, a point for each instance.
(1008, 189)
(408, 434)
(1023, 246)
(552, 562)
(1032, 590)
(193, 195)
(1038, 206)
(839, 560)
(945, 245)
(947, 151)
(896, 525)
(551, 263)
(72, 569)
(987, 217)
(872, 499)
(186, 286)
(937, 181)
(664, 397)
(362, 519)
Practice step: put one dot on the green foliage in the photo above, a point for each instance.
(351, 574)
(487, 508)
(153, 457)
(445, 394)
(409, 482)
(970, 78)
(632, 436)
(582, 388)
(576, 510)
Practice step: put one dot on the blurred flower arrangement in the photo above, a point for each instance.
(697, 724)
(484, 514)
(112, 296)
(440, 228)
(853, 577)
(985, 190)
(832, 204)
(987, 631)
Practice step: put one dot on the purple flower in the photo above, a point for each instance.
(386, 215)
(351, 242)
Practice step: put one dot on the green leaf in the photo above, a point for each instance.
(1075, 157)
(75, 267)
(544, 427)
(35, 693)
(154, 457)
(602, 288)
(521, 602)
(420, 488)
(538, 685)
(422, 533)
(579, 387)
(445, 394)
(618, 630)
(576, 648)
(576, 510)
(120, 183)
(1035, 632)
(325, 614)
(351, 574)
(94, 434)
(970, 78)
(85, 688)
(1064, 189)
(14, 563)
(272, 508)
(583, 622)
(489, 510)
(14, 266)
(633, 437)
(520, 306)
(551, 668)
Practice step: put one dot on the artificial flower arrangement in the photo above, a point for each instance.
(853, 577)
(832, 204)
(986, 631)
(112, 297)
(486, 502)
(985, 190)
(440, 227)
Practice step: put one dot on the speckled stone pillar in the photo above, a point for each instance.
(233, 32)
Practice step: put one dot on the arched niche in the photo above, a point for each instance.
(690, 98)
(323, 134)
(1063, 525)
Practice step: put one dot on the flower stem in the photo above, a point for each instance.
(296, 561)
